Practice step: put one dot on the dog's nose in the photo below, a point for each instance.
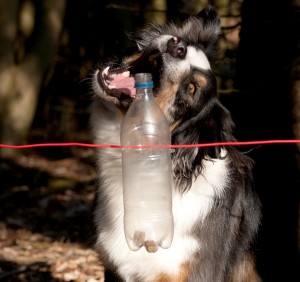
(177, 47)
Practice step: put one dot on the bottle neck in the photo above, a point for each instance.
(140, 92)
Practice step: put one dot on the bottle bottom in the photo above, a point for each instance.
(150, 235)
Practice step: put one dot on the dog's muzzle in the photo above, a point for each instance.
(177, 47)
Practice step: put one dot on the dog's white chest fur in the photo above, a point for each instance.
(188, 208)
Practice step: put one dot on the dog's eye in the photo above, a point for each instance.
(192, 88)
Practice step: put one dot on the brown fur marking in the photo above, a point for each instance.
(164, 97)
(245, 271)
(181, 277)
(201, 80)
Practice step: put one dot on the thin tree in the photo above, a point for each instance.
(29, 35)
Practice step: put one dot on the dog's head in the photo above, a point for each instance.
(177, 58)
(184, 85)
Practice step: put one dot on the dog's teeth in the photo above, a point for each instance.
(105, 71)
(126, 74)
(111, 86)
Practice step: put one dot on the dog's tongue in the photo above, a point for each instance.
(122, 82)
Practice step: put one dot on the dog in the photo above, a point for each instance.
(216, 211)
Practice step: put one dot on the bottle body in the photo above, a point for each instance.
(147, 180)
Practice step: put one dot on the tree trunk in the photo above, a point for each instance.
(296, 84)
(23, 79)
(157, 13)
(265, 57)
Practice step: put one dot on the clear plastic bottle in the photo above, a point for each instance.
(147, 179)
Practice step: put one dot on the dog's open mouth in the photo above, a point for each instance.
(118, 82)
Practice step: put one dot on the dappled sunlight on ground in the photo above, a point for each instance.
(46, 229)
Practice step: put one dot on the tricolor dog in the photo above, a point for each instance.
(216, 212)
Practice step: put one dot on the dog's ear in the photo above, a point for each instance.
(212, 124)
(209, 15)
(211, 28)
(204, 30)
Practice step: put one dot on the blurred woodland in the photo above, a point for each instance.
(48, 50)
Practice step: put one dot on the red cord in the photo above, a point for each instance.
(111, 146)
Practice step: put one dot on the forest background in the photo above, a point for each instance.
(48, 51)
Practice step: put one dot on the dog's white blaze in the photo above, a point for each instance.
(194, 57)
(197, 203)
(188, 208)
(197, 58)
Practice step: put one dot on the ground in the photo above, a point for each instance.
(46, 230)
